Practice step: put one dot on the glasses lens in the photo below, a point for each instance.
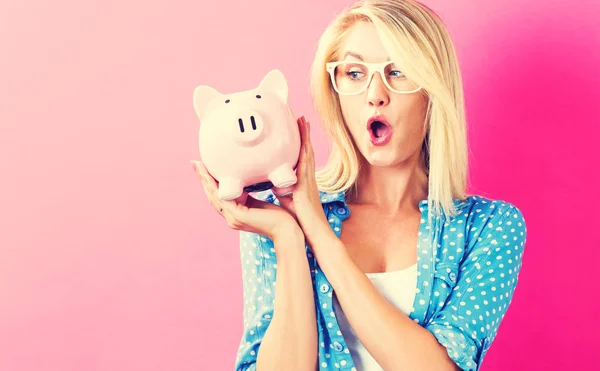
(353, 77)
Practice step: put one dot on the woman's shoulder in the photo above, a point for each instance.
(491, 225)
(481, 204)
(480, 209)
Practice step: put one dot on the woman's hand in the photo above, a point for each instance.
(255, 216)
(306, 203)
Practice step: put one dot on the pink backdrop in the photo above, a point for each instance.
(112, 259)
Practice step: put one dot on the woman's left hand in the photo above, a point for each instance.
(305, 202)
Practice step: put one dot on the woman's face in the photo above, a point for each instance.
(404, 114)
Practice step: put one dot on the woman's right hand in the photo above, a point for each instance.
(255, 216)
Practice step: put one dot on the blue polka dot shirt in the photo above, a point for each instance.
(467, 270)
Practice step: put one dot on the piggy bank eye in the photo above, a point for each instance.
(258, 96)
(227, 101)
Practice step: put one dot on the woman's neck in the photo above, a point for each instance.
(392, 188)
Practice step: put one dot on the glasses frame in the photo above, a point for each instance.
(372, 67)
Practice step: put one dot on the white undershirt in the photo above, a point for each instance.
(400, 288)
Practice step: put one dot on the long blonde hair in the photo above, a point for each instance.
(418, 42)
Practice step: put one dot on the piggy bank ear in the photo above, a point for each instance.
(203, 95)
(275, 82)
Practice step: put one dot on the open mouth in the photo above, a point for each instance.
(379, 129)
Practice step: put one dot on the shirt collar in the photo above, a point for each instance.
(338, 199)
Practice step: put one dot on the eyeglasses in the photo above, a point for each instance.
(352, 78)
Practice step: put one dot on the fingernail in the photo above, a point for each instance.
(194, 166)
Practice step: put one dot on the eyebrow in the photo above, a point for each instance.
(357, 56)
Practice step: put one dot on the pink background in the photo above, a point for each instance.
(110, 255)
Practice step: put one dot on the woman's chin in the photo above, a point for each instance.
(381, 157)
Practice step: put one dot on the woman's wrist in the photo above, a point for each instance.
(289, 237)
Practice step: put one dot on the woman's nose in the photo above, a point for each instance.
(378, 94)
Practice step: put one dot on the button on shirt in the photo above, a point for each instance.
(467, 270)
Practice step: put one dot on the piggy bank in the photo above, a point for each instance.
(249, 140)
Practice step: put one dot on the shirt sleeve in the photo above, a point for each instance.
(259, 264)
(469, 320)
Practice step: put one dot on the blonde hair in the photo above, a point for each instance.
(417, 41)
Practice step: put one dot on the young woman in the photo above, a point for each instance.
(380, 260)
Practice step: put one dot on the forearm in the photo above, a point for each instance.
(392, 338)
(291, 340)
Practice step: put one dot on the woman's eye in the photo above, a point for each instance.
(354, 74)
(396, 73)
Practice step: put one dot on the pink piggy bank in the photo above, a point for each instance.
(249, 141)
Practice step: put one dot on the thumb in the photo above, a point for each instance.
(194, 165)
(199, 167)
(287, 202)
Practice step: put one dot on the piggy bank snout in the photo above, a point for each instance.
(249, 128)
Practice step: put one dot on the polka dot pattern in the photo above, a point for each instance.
(476, 302)
(468, 268)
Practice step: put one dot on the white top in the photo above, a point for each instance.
(400, 288)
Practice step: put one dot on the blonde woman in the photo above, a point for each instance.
(379, 260)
